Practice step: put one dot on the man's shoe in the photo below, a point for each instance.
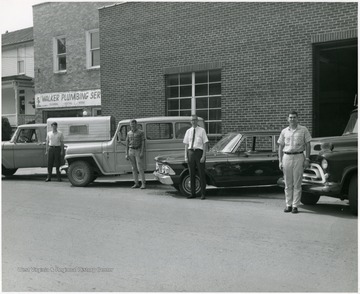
(135, 186)
(295, 210)
(59, 180)
(191, 196)
(202, 197)
(142, 187)
(48, 180)
(288, 209)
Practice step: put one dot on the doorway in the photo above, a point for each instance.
(335, 86)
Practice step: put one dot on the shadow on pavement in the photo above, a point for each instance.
(334, 209)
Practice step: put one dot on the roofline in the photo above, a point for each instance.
(112, 5)
(160, 118)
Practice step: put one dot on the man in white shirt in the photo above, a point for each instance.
(54, 150)
(196, 143)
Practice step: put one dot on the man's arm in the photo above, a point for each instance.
(127, 147)
(186, 153)
(307, 155)
(47, 144)
(281, 147)
(203, 157)
(142, 145)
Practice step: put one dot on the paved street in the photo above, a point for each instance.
(108, 237)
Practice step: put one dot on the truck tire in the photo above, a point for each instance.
(185, 187)
(80, 173)
(309, 199)
(353, 194)
(7, 172)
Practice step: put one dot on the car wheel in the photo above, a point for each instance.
(185, 187)
(7, 172)
(309, 199)
(353, 194)
(80, 173)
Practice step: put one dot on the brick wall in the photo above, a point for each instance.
(265, 52)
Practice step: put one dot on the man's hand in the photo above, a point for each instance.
(186, 160)
(202, 159)
(141, 155)
(280, 165)
(127, 157)
(306, 163)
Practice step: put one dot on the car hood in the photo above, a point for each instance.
(84, 148)
(179, 157)
(339, 142)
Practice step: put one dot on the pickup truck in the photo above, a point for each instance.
(333, 169)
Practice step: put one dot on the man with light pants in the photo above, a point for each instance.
(293, 141)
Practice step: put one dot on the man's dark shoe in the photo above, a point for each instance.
(48, 180)
(288, 209)
(191, 196)
(135, 186)
(202, 197)
(295, 210)
(59, 180)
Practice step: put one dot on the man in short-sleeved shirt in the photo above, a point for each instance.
(135, 143)
(54, 150)
(196, 142)
(294, 140)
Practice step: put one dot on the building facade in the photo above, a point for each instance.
(239, 65)
(67, 59)
(17, 80)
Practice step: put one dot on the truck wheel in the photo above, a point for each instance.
(353, 195)
(7, 172)
(80, 173)
(309, 199)
(185, 187)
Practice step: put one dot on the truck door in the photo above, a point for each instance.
(29, 150)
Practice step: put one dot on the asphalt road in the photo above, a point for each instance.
(108, 237)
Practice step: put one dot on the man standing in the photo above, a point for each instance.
(135, 143)
(196, 142)
(293, 141)
(54, 150)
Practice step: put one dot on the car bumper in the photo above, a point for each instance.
(164, 179)
(326, 189)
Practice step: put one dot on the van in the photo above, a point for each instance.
(84, 129)
(163, 135)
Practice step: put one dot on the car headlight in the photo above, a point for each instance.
(165, 169)
(324, 164)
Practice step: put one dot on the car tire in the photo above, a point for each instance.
(185, 187)
(80, 173)
(353, 194)
(7, 172)
(309, 199)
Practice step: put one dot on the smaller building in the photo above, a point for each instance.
(17, 80)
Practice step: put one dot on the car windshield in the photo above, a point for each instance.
(227, 143)
(352, 126)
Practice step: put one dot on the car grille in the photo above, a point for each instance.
(314, 174)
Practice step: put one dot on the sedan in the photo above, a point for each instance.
(243, 159)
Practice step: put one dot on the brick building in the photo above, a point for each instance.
(67, 59)
(240, 65)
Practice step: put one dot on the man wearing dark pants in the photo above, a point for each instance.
(54, 151)
(196, 142)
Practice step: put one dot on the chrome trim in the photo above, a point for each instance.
(314, 174)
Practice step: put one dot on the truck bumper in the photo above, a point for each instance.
(327, 189)
(164, 179)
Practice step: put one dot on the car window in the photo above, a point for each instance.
(256, 144)
(159, 131)
(26, 136)
(124, 130)
(181, 128)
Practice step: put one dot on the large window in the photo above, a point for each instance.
(93, 49)
(60, 54)
(21, 61)
(196, 93)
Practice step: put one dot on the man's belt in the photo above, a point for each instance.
(135, 148)
(293, 153)
(54, 146)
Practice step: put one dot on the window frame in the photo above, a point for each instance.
(90, 50)
(57, 55)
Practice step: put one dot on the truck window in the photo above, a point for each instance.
(79, 130)
(159, 131)
(181, 128)
(26, 136)
(125, 129)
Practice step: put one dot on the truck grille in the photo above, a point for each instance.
(314, 174)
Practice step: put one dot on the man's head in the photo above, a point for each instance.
(293, 118)
(54, 126)
(133, 125)
(194, 120)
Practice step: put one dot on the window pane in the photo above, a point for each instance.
(185, 78)
(215, 75)
(215, 89)
(181, 128)
(203, 114)
(214, 127)
(185, 103)
(95, 43)
(95, 57)
(21, 66)
(201, 90)
(214, 102)
(215, 114)
(158, 131)
(173, 113)
(173, 80)
(174, 92)
(79, 130)
(173, 104)
(201, 103)
(201, 77)
(185, 113)
(62, 63)
(61, 46)
(185, 91)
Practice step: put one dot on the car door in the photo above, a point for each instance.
(255, 162)
(29, 151)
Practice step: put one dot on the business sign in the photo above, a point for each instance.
(68, 99)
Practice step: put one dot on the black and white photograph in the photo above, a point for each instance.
(179, 146)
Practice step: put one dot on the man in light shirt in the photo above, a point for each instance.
(293, 141)
(196, 142)
(54, 151)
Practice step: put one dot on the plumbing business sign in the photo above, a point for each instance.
(68, 99)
